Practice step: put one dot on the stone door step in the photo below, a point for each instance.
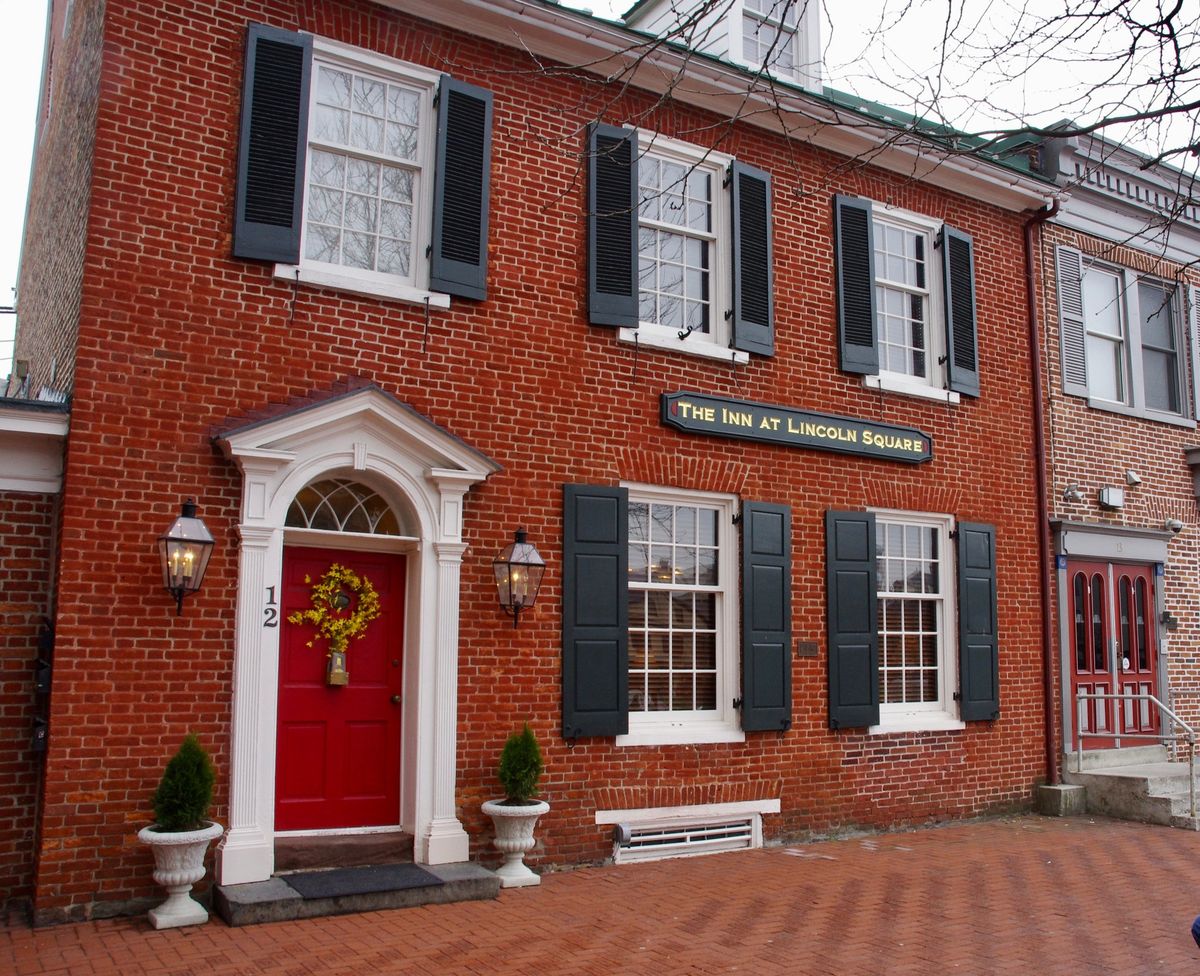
(304, 853)
(359, 890)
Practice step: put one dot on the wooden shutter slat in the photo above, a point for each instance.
(612, 226)
(595, 611)
(962, 333)
(1072, 334)
(753, 277)
(1194, 332)
(458, 256)
(272, 145)
(854, 259)
(852, 619)
(766, 617)
(978, 645)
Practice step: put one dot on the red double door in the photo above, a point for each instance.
(338, 747)
(1113, 648)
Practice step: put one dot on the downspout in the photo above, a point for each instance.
(1043, 519)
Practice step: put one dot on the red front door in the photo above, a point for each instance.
(1113, 646)
(337, 758)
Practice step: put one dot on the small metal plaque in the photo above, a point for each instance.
(806, 648)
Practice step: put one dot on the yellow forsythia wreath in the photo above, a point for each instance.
(339, 630)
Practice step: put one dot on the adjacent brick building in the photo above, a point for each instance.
(1118, 299)
(759, 390)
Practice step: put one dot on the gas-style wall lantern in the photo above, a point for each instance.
(184, 549)
(518, 569)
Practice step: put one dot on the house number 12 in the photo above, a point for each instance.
(271, 611)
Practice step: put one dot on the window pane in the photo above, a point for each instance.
(1102, 302)
(1157, 308)
(1162, 380)
(910, 643)
(1104, 369)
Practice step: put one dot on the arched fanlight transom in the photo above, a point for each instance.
(338, 505)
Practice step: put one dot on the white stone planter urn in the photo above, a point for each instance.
(179, 864)
(514, 823)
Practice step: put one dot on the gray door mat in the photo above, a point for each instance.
(360, 881)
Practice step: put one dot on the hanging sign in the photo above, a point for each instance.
(698, 413)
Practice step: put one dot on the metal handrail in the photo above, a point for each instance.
(1189, 733)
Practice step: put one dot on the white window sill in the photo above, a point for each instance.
(360, 286)
(1123, 408)
(909, 387)
(694, 345)
(916, 722)
(680, 733)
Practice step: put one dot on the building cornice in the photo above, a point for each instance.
(605, 49)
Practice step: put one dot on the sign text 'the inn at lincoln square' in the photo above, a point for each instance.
(697, 413)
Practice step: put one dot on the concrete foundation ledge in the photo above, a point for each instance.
(275, 900)
(1064, 800)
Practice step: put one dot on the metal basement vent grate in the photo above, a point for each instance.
(681, 838)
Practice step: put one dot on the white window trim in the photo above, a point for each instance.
(675, 728)
(715, 343)
(933, 387)
(943, 714)
(359, 281)
(1135, 378)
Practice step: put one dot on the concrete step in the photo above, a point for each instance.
(1107, 758)
(1152, 792)
(277, 901)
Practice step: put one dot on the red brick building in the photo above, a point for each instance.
(1118, 301)
(379, 283)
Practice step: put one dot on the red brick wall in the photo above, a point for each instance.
(1093, 448)
(176, 336)
(56, 223)
(26, 544)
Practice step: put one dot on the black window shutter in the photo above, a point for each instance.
(853, 620)
(753, 278)
(612, 226)
(978, 646)
(766, 617)
(595, 609)
(458, 254)
(962, 340)
(272, 145)
(854, 255)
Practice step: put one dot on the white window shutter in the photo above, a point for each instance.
(1071, 328)
(1194, 345)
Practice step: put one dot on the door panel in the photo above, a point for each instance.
(338, 748)
(1112, 648)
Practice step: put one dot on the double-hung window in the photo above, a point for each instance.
(769, 29)
(912, 614)
(367, 198)
(683, 246)
(906, 301)
(682, 657)
(360, 172)
(915, 602)
(1123, 340)
(905, 304)
(679, 246)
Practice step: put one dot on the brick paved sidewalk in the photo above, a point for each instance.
(1025, 895)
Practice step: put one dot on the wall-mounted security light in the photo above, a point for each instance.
(518, 569)
(184, 550)
(1173, 525)
(1111, 497)
(1072, 493)
(1132, 478)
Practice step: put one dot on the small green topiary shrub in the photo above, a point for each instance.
(185, 791)
(520, 766)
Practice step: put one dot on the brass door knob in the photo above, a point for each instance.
(395, 699)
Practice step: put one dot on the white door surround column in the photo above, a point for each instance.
(424, 472)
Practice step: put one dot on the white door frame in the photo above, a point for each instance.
(425, 472)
